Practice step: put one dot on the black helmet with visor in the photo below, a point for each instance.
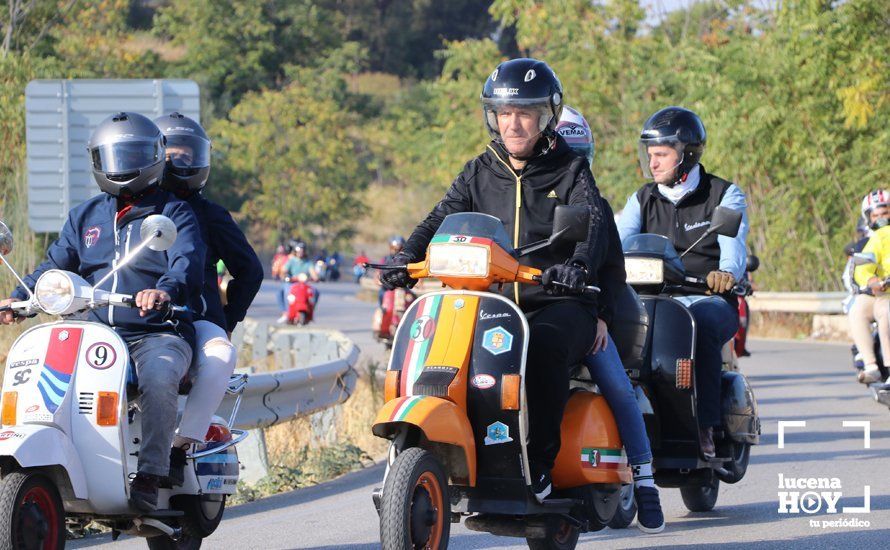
(526, 83)
(126, 154)
(678, 128)
(188, 153)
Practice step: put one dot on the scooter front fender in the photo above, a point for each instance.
(35, 446)
(445, 428)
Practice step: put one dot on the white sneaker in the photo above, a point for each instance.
(281, 320)
(870, 375)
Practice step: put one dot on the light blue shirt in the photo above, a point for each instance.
(733, 252)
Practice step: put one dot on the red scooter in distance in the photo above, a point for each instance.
(301, 301)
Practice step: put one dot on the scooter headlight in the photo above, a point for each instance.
(54, 292)
(644, 271)
(458, 260)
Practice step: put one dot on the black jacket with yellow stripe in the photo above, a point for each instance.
(525, 202)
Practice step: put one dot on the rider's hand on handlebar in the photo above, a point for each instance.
(8, 317)
(876, 284)
(570, 277)
(149, 299)
(720, 282)
(397, 278)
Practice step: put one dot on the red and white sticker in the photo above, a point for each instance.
(101, 355)
(32, 408)
(482, 381)
(9, 434)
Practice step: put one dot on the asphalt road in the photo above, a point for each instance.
(792, 382)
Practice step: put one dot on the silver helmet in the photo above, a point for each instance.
(127, 154)
(188, 153)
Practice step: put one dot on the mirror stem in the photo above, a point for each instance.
(700, 239)
(5, 262)
(120, 265)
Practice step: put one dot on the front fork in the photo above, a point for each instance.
(396, 446)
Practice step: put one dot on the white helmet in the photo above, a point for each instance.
(574, 129)
(881, 197)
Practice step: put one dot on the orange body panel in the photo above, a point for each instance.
(453, 342)
(591, 450)
(440, 420)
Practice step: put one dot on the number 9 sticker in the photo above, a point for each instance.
(101, 355)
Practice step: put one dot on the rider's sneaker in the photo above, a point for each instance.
(144, 492)
(870, 376)
(650, 518)
(542, 484)
(176, 475)
(281, 320)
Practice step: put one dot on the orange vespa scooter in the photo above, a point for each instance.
(456, 410)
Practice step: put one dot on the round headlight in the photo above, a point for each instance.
(54, 291)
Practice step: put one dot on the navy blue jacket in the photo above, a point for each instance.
(91, 241)
(226, 242)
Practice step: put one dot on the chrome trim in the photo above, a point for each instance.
(240, 435)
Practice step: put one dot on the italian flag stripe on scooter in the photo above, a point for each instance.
(402, 410)
(609, 459)
(421, 333)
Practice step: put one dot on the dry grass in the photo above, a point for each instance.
(780, 325)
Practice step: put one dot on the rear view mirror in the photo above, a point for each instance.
(752, 263)
(5, 239)
(570, 223)
(864, 258)
(158, 232)
(726, 221)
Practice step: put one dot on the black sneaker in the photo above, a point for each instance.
(542, 485)
(176, 475)
(144, 492)
(650, 518)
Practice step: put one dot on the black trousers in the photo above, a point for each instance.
(561, 334)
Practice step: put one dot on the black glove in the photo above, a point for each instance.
(397, 278)
(572, 275)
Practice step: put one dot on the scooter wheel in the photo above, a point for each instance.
(701, 498)
(627, 508)
(738, 466)
(31, 512)
(415, 512)
(561, 535)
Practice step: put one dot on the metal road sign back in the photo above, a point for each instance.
(59, 117)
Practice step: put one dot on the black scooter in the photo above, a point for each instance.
(656, 337)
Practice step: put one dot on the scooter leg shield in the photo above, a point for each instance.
(34, 446)
(739, 409)
(445, 431)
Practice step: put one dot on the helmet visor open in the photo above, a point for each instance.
(125, 156)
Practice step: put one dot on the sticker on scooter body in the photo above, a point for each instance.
(483, 381)
(498, 433)
(101, 355)
(61, 358)
(497, 340)
(610, 459)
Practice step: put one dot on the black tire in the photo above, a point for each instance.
(303, 319)
(163, 542)
(203, 513)
(701, 498)
(31, 513)
(627, 508)
(561, 535)
(415, 511)
(738, 466)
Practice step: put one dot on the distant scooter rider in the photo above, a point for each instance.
(185, 175)
(526, 171)
(396, 244)
(876, 305)
(127, 155)
(603, 362)
(678, 204)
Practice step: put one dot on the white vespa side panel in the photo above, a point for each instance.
(101, 367)
(33, 446)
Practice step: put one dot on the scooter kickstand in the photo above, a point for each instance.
(173, 533)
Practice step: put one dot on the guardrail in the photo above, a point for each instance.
(314, 371)
(797, 302)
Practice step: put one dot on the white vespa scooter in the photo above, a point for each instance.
(71, 425)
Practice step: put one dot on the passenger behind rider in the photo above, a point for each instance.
(678, 204)
(874, 306)
(185, 176)
(296, 263)
(525, 172)
(603, 362)
(127, 155)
